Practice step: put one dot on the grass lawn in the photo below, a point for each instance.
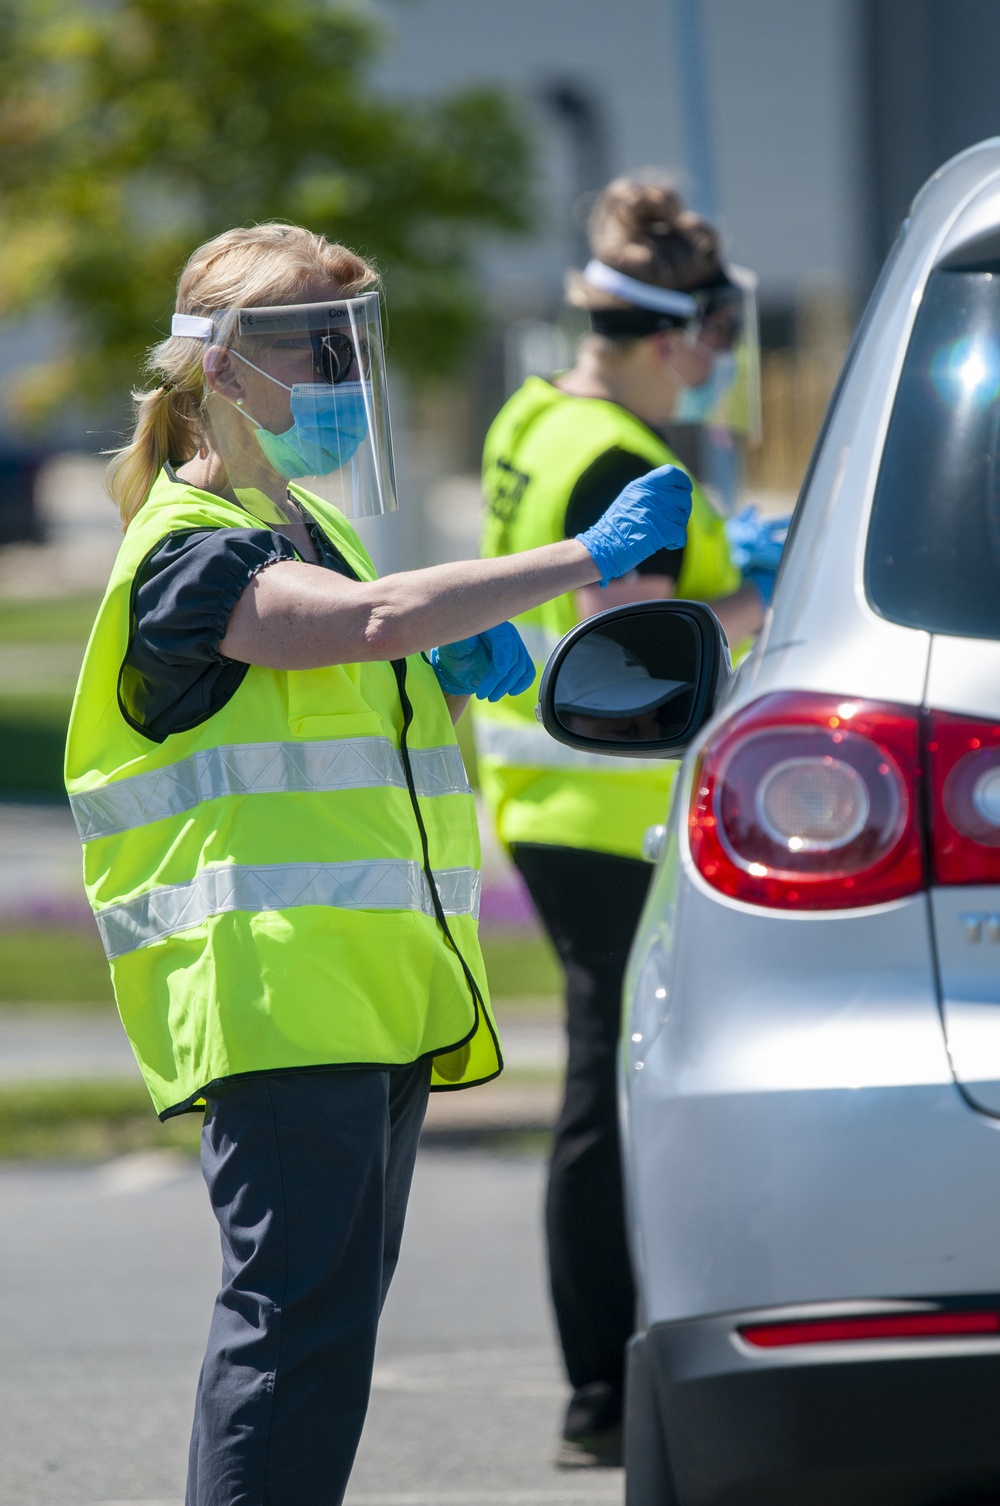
(87, 1121)
(521, 968)
(65, 965)
(95, 1120)
(63, 619)
(92, 1120)
(32, 739)
(53, 965)
(33, 727)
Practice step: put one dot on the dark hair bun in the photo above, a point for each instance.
(640, 227)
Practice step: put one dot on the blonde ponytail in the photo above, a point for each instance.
(167, 428)
(253, 267)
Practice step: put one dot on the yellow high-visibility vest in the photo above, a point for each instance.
(259, 880)
(538, 447)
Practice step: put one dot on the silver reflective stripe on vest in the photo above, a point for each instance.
(382, 884)
(263, 769)
(528, 747)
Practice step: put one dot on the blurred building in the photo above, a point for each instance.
(823, 117)
(931, 89)
(600, 85)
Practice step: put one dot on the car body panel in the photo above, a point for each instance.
(967, 933)
(788, 1134)
(870, 1425)
(964, 677)
(804, 1196)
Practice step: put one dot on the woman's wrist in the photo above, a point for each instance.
(578, 558)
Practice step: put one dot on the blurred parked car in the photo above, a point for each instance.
(19, 519)
(811, 1053)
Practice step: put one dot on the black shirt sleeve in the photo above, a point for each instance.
(598, 487)
(173, 676)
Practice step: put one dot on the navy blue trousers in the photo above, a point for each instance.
(589, 903)
(308, 1174)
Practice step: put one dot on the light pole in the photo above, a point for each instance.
(695, 102)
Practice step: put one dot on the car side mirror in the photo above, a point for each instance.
(639, 680)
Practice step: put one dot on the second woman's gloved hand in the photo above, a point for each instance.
(755, 545)
(651, 513)
(489, 666)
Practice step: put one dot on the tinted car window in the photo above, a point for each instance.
(933, 558)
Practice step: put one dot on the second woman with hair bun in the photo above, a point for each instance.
(556, 454)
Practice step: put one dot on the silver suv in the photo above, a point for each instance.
(811, 1048)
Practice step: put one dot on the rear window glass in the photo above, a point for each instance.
(933, 558)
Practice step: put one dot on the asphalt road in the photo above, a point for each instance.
(107, 1277)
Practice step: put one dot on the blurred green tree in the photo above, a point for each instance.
(131, 130)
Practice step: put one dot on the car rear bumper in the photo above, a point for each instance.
(909, 1423)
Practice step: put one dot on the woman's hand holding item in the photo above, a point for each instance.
(650, 514)
(489, 666)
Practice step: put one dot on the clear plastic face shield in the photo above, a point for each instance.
(295, 401)
(726, 333)
(718, 407)
(717, 362)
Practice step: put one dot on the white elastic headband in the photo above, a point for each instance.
(643, 294)
(191, 326)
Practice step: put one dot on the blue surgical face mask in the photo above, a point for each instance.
(695, 405)
(329, 423)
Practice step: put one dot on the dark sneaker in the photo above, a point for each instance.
(591, 1450)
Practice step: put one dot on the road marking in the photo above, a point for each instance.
(142, 1171)
(499, 1372)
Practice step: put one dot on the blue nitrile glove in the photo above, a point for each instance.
(489, 666)
(651, 513)
(755, 545)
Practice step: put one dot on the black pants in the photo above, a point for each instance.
(308, 1174)
(589, 903)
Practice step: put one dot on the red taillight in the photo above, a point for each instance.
(964, 759)
(810, 802)
(953, 1325)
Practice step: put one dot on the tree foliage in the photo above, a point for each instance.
(132, 130)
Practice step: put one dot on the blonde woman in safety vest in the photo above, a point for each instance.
(557, 454)
(280, 842)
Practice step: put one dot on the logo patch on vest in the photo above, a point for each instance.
(509, 485)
